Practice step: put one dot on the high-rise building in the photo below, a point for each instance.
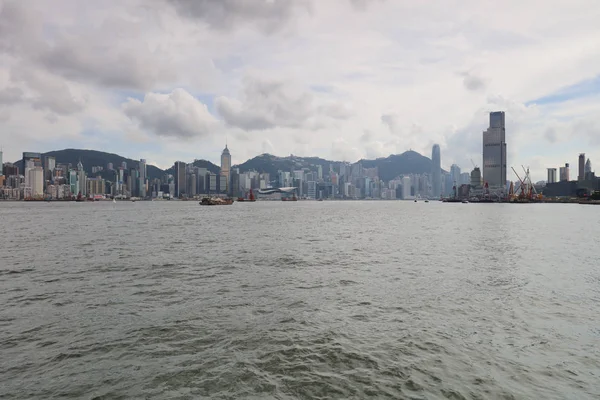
(319, 172)
(226, 168)
(588, 166)
(551, 175)
(476, 177)
(564, 173)
(49, 165)
(494, 151)
(581, 175)
(141, 186)
(311, 193)
(406, 186)
(436, 171)
(34, 158)
(180, 181)
(81, 178)
(36, 181)
(455, 172)
(1, 165)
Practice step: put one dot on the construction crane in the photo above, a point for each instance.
(474, 166)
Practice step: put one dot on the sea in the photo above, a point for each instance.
(299, 300)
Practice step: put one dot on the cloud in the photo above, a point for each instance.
(473, 82)
(11, 95)
(177, 114)
(269, 16)
(268, 103)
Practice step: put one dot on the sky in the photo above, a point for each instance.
(169, 80)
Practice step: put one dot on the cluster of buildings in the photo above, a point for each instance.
(47, 179)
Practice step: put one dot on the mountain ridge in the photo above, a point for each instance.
(409, 162)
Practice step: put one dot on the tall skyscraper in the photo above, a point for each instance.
(81, 178)
(564, 173)
(180, 181)
(494, 151)
(141, 186)
(49, 165)
(226, 167)
(588, 166)
(1, 165)
(455, 172)
(36, 181)
(436, 171)
(551, 175)
(581, 175)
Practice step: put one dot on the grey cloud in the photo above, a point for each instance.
(269, 16)
(363, 4)
(366, 137)
(11, 95)
(177, 114)
(94, 54)
(550, 135)
(473, 82)
(51, 92)
(392, 121)
(267, 104)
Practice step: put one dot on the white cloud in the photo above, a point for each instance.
(177, 114)
(298, 76)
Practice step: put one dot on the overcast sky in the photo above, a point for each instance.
(173, 80)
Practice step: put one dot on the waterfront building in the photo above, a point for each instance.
(180, 181)
(551, 175)
(406, 188)
(564, 173)
(476, 178)
(581, 165)
(312, 190)
(226, 168)
(588, 166)
(494, 151)
(436, 171)
(81, 178)
(36, 181)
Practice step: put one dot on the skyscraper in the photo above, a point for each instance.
(494, 151)
(226, 168)
(81, 178)
(141, 186)
(49, 165)
(1, 165)
(35, 158)
(588, 166)
(36, 181)
(180, 181)
(564, 173)
(551, 175)
(581, 175)
(436, 171)
(455, 172)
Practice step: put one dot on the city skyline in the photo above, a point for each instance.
(292, 78)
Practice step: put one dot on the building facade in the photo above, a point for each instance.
(436, 171)
(581, 165)
(551, 175)
(226, 168)
(494, 151)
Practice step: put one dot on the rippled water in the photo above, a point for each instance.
(299, 300)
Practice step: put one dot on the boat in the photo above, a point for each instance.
(114, 201)
(293, 198)
(215, 201)
(415, 200)
(426, 201)
(465, 201)
(249, 198)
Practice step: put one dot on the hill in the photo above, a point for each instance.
(409, 162)
(215, 169)
(271, 164)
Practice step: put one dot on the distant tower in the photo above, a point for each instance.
(551, 175)
(494, 151)
(455, 172)
(81, 178)
(581, 175)
(226, 165)
(588, 166)
(436, 171)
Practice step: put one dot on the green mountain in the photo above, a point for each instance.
(271, 164)
(409, 162)
(215, 169)
(94, 158)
